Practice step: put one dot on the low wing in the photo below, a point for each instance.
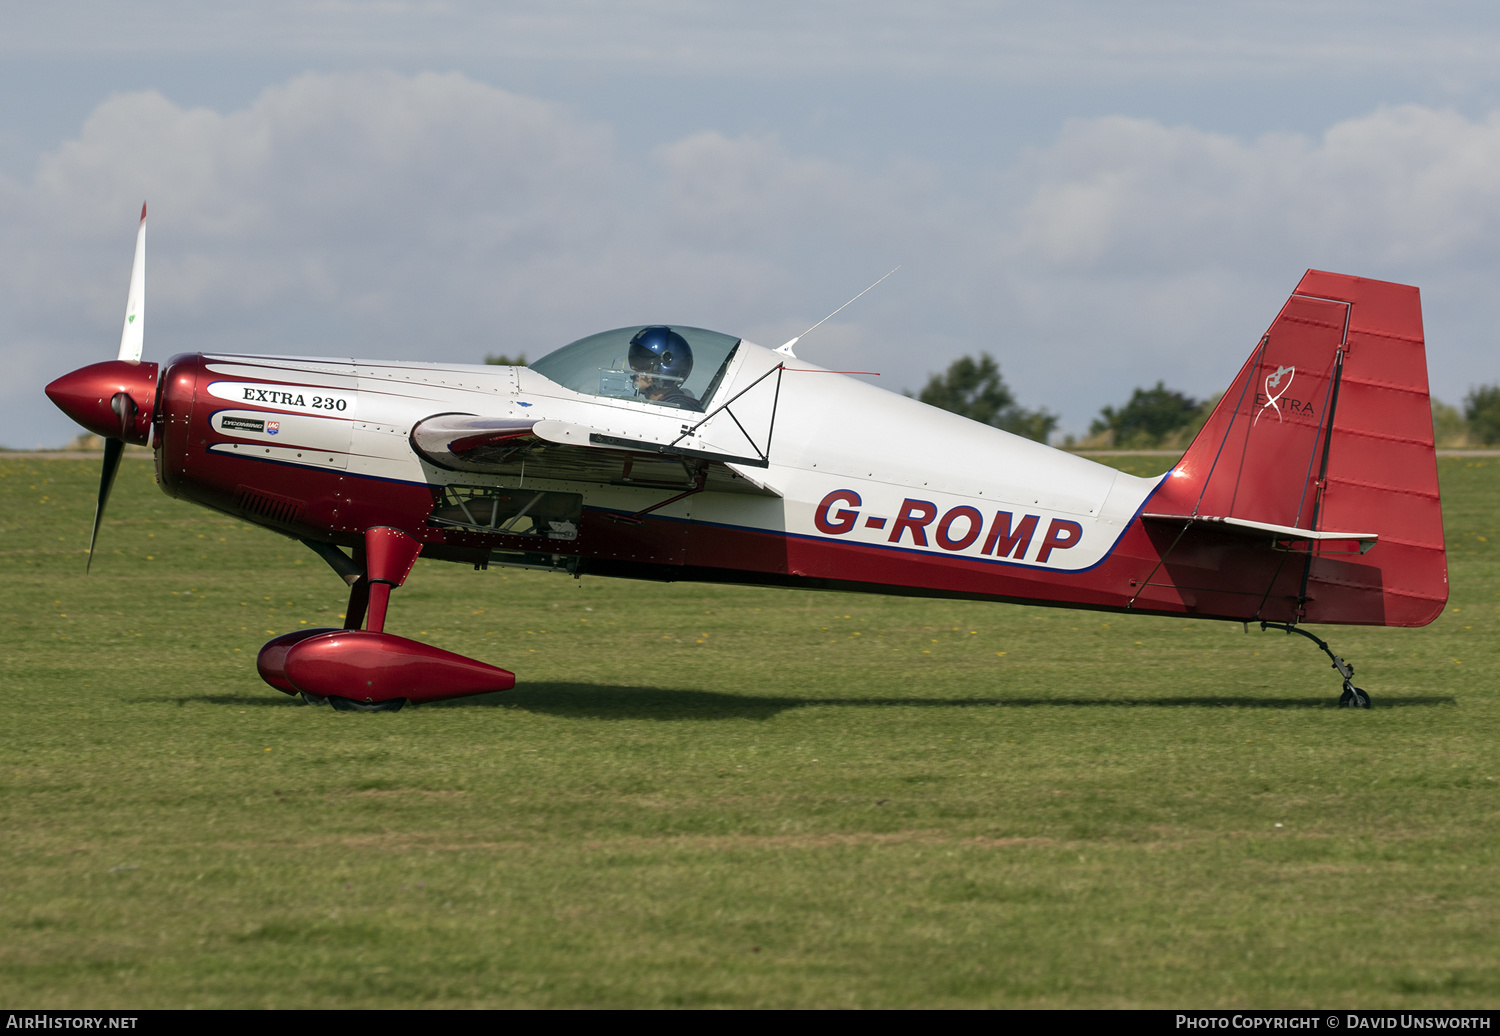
(570, 453)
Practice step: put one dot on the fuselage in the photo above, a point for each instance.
(859, 488)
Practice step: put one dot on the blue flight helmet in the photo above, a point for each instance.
(663, 352)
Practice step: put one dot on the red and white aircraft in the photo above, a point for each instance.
(672, 453)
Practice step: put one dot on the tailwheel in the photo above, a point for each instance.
(350, 705)
(1354, 698)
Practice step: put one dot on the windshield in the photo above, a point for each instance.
(668, 365)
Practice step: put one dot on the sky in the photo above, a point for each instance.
(1101, 195)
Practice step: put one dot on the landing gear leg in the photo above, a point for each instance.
(359, 601)
(1353, 697)
(353, 572)
(384, 562)
(379, 565)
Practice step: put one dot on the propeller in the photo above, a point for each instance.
(115, 399)
(133, 335)
(114, 449)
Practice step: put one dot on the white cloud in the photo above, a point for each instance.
(1164, 232)
(1402, 187)
(433, 216)
(374, 196)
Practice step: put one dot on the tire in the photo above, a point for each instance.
(350, 705)
(1354, 698)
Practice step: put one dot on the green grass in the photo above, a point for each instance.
(705, 796)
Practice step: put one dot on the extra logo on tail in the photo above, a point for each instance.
(1273, 399)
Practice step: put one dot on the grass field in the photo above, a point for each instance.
(704, 796)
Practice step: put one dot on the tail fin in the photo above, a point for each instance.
(1328, 428)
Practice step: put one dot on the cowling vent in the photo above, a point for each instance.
(256, 503)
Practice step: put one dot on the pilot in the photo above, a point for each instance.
(662, 361)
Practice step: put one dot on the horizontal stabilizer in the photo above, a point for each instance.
(1266, 530)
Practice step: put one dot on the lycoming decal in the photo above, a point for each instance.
(958, 529)
(241, 424)
(286, 397)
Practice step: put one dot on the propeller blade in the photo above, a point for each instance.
(114, 449)
(133, 337)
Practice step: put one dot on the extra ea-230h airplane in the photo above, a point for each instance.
(675, 453)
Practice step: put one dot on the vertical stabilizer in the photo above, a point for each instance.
(1328, 427)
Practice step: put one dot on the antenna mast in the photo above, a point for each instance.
(787, 348)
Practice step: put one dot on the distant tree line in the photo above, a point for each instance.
(1152, 419)
(974, 389)
(502, 360)
(1156, 417)
(1477, 424)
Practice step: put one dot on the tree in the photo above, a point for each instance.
(974, 389)
(505, 361)
(1448, 425)
(1149, 417)
(1482, 409)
